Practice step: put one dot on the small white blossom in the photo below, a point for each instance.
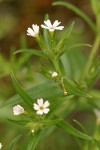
(0, 145)
(32, 131)
(42, 108)
(54, 74)
(52, 27)
(17, 110)
(34, 31)
(97, 113)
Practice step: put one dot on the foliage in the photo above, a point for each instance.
(67, 91)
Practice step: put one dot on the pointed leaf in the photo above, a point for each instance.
(19, 122)
(79, 45)
(43, 90)
(26, 98)
(73, 90)
(71, 130)
(31, 51)
(60, 46)
(78, 12)
(12, 144)
(34, 139)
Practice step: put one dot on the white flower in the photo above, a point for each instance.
(0, 145)
(17, 110)
(97, 113)
(51, 27)
(41, 107)
(54, 74)
(34, 31)
(32, 131)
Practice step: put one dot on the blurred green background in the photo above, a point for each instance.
(15, 17)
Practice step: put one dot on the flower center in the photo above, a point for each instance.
(41, 108)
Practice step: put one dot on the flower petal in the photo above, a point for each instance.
(36, 107)
(59, 28)
(17, 110)
(48, 23)
(0, 145)
(51, 30)
(46, 104)
(40, 102)
(56, 23)
(54, 74)
(46, 110)
(30, 31)
(40, 112)
(35, 28)
(43, 26)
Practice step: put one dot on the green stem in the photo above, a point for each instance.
(56, 65)
(85, 146)
(92, 54)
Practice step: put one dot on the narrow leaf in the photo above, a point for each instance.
(73, 90)
(12, 144)
(26, 98)
(80, 125)
(32, 51)
(44, 90)
(71, 130)
(19, 122)
(79, 45)
(61, 43)
(48, 123)
(78, 12)
(46, 35)
(34, 139)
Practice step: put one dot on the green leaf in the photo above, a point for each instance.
(48, 123)
(26, 98)
(34, 139)
(80, 125)
(14, 141)
(71, 130)
(73, 90)
(43, 90)
(58, 104)
(20, 121)
(31, 51)
(61, 44)
(78, 12)
(46, 35)
(73, 63)
(79, 45)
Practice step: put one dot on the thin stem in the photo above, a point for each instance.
(92, 54)
(85, 146)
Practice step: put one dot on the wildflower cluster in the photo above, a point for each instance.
(42, 113)
(51, 48)
(40, 107)
(35, 28)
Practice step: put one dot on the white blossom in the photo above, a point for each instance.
(17, 110)
(0, 145)
(42, 108)
(32, 131)
(52, 27)
(54, 74)
(97, 113)
(34, 31)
